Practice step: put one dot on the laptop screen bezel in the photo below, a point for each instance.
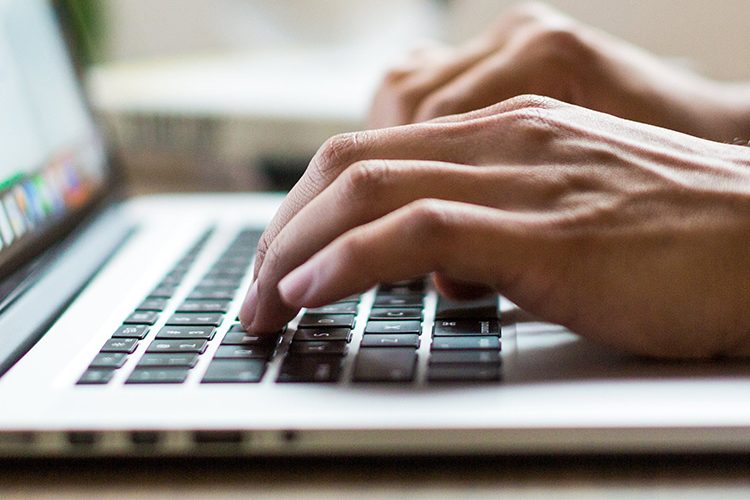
(15, 260)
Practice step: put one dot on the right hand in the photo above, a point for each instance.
(534, 49)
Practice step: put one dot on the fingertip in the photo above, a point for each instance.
(249, 306)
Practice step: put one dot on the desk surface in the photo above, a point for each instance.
(706, 477)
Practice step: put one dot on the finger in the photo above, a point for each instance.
(452, 140)
(476, 244)
(456, 289)
(370, 190)
(397, 100)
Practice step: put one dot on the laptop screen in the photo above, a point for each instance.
(52, 162)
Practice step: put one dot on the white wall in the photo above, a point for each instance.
(714, 34)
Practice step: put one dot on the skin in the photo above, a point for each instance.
(630, 234)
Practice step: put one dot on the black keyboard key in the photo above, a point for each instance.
(390, 340)
(204, 306)
(234, 371)
(393, 327)
(153, 304)
(163, 291)
(126, 346)
(96, 376)
(316, 369)
(351, 298)
(336, 347)
(482, 308)
(464, 357)
(327, 320)
(466, 343)
(244, 352)
(387, 300)
(220, 282)
(336, 308)
(466, 327)
(177, 346)
(385, 365)
(395, 313)
(186, 332)
(109, 360)
(131, 332)
(158, 376)
(403, 287)
(323, 334)
(177, 359)
(196, 319)
(240, 337)
(463, 373)
(235, 272)
(212, 294)
(142, 318)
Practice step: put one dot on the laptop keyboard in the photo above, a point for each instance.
(464, 338)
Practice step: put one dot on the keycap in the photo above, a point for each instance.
(120, 345)
(335, 347)
(465, 327)
(393, 327)
(212, 294)
(244, 352)
(395, 313)
(186, 332)
(194, 319)
(463, 373)
(220, 282)
(177, 346)
(388, 300)
(385, 365)
(243, 338)
(234, 371)
(204, 306)
(402, 287)
(350, 298)
(164, 291)
(324, 334)
(109, 360)
(158, 376)
(131, 331)
(318, 369)
(95, 376)
(464, 357)
(142, 318)
(337, 308)
(465, 343)
(390, 340)
(153, 304)
(185, 359)
(327, 320)
(237, 272)
(481, 308)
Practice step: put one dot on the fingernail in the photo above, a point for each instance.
(296, 285)
(249, 305)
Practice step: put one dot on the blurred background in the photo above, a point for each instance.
(238, 94)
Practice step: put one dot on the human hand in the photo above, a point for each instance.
(628, 234)
(534, 49)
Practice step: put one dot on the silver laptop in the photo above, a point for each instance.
(119, 332)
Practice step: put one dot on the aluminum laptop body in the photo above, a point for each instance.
(118, 327)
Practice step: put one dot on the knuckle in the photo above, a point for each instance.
(428, 220)
(529, 102)
(562, 45)
(534, 124)
(364, 180)
(339, 151)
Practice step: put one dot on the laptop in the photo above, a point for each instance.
(119, 332)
